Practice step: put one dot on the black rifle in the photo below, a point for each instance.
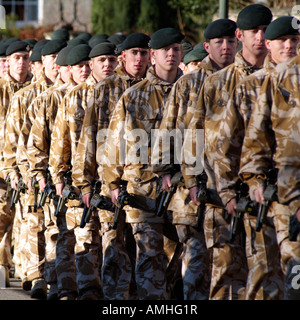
(8, 188)
(205, 196)
(21, 187)
(68, 193)
(294, 228)
(122, 201)
(36, 188)
(270, 194)
(49, 192)
(166, 196)
(244, 205)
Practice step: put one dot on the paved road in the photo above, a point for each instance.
(15, 291)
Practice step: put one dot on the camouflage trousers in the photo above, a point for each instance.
(271, 256)
(6, 226)
(228, 259)
(78, 255)
(151, 261)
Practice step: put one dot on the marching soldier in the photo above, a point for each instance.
(116, 266)
(16, 78)
(180, 109)
(265, 276)
(77, 252)
(140, 109)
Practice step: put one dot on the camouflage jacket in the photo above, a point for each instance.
(20, 103)
(8, 87)
(214, 97)
(180, 109)
(139, 110)
(39, 139)
(273, 135)
(67, 129)
(90, 148)
(232, 129)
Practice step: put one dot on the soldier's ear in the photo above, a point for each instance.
(239, 34)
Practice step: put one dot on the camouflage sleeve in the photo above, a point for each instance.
(258, 144)
(113, 159)
(84, 167)
(60, 148)
(38, 144)
(14, 123)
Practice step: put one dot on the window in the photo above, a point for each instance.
(25, 10)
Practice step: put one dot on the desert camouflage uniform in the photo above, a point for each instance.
(271, 139)
(7, 89)
(33, 262)
(116, 266)
(229, 274)
(64, 140)
(179, 111)
(140, 110)
(37, 154)
(265, 279)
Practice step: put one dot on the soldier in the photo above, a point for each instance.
(140, 109)
(16, 78)
(72, 239)
(36, 64)
(16, 164)
(179, 111)
(116, 268)
(229, 268)
(270, 142)
(193, 58)
(37, 152)
(3, 61)
(265, 276)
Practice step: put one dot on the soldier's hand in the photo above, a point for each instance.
(193, 195)
(14, 183)
(86, 199)
(59, 188)
(114, 196)
(259, 195)
(298, 214)
(29, 185)
(166, 182)
(42, 184)
(231, 206)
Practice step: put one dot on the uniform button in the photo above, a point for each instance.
(141, 117)
(292, 103)
(136, 179)
(220, 102)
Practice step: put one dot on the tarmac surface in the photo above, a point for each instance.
(14, 291)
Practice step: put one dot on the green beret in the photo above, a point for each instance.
(186, 47)
(220, 28)
(253, 16)
(61, 59)
(3, 47)
(117, 38)
(41, 43)
(85, 36)
(31, 42)
(10, 40)
(76, 41)
(281, 27)
(164, 37)
(104, 48)
(78, 53)
(53, 46)
(62, 33)
(36, 54)
(136, 40)
(17, 46)
(194, 55)
(97, 38)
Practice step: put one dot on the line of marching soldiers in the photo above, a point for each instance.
(98, 206)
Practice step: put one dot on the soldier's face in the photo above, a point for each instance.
(167, 58)
(18, 63)
(3, 66)
(253, 40)
(103, 66)
(50, 65)
(136, 61)
(222, 50)
(65, 73)
(283, 48)
(80, 71)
